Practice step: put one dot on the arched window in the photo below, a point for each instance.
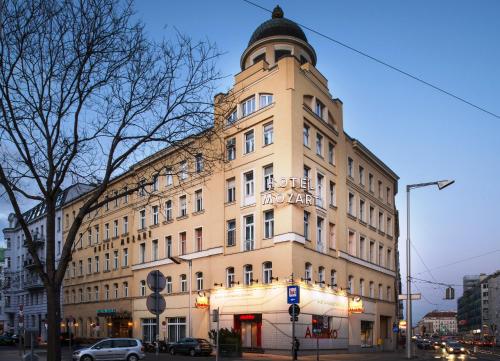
(267, 272)
(248, 274)
(333, 278)
(143, 288)
(321, 276)
(184, 287)
(199, 281)
(229, 277)
(308, 273)
(169, 284)
(350, 285)
(362, 287)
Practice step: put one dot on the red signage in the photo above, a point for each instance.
(247, 317)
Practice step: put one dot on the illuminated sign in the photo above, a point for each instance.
(201, 302)
(356, 305)
(402, 324)
(301, 191)
(247, 317)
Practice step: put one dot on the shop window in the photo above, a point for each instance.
(366, 334)
(176, 328)
(148, 329)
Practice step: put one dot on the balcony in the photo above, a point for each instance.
(30, 264)
(33, 284)
(38, 241)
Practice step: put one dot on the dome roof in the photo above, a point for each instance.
(278, 25)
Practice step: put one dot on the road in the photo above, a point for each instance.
(8, 353)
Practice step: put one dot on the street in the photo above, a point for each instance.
(8, 353)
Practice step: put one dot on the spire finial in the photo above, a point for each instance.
(277, 12)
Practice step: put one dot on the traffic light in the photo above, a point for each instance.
(450, 293)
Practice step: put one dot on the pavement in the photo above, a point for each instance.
(8, 353)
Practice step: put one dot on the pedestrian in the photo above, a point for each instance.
(295, 347)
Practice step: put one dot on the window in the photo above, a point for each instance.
(198, 236)
(269, 224)
(142, 253)
(331, 153)
(268, 134)
(350, 167)
(381, 221)
(155, 183)
(319, 189)
(265, 100)
(198, 200)
(333, 194)
(148, 329)
(168, 210)
(380, 293)
(80, 268)
(388, 195)
(389, 294)
(229, 277)
(308, 273)
(125, 289)
(125, 257)
(115, 260)
(350, 285)
(371, 216)
(231, 190)
(156, 219)
(142, 288)
(351, 242)
(96, 259)
(380, 195)
(320, 242)
(233, 116)
(96, 293)
(249, 142)
(125, 195)
(115, 228)
(154, 250)
(199, 163)
(381, 255)
(249, 232)
(351, 209)
(231, 149)
(362, 247)
(306, 135)
(183, 170)
(106, 262)
(168, 246)
(333, 236)
(89, 265)
(248, 106)
(362, 210)
(125, 225)
(183, 283)
(106, 231)
(362, 287)
(199, 281)
(268, 177)
(306, 224)
(249, 185)
(333, 278)
(176, 328)
(247, 274)
(182, 206)
(259, 57)
(169, 178)
(182, 243)
(388, 262)
(142, 219)
(142, 188)
(106, 205)
(361, 175)
(319, 144)
(370, 182)
(280, 53)
(267, 272)
(231, 232)
(96, 228)
(307, 173)
(389, 226)
(169, 284)
(106, 292)
(321, 276)
(319, 108)
(372, 289)
(89, 237)
(371, 252)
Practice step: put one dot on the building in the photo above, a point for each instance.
(490, 301)
(3, 318)
(22, 287)
(470, 307)
(438, 322)
(297, 200)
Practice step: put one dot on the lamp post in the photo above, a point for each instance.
(441, 185)
(179, 260)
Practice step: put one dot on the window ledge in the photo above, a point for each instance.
(141, 230)
(168, 221)
(372, 228)
(182, 217)
(333, 206)
(230, 203)
(154, 226)
(198, 212)
(353, 217)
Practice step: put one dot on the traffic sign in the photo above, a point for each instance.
(156, 281)
(294, 310)
(293, 294)
(156, 303)
(296, 319)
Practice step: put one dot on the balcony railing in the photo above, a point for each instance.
(33, 284)
(38, 241)
(30, 264)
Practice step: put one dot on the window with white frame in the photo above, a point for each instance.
(247, 274)
(115, 259)
(125, 195)
(319, 189)
(388, 262)
(371, 216)
(320, 242)
(350, 284)
(183, 170)
(106, 262)
(361, 172)
(248, 106)
(249, 141)
(333, 278)
(155, 211)
(370, 182)
(306, 224)
(182, 243)
(267, 272)
(155, 184)
(389, 226)
(350, 206)
(115, 228)
(305, 134)
(265, 100)
(169, 177)
(229, 277)
(168, 284)
(331, 153)
(96, 261)
(142, 188)
(184, 285)
(333, 194)
(350, 167)
(142, 219)
(308, 273)
(233, 116)
(199, 281)
(319, 109)
(362, 287)
(168, 246)
(269, 224)
(142, 288)
(231, 232)
(351, 242)
(154, 250)
(125, 257)
(125, 289)
(96, 229)
(362, 247)
(333, 236)
(249, 187)
(371, 252)
(381, 221)
(106, 231)
(268, 133)
(319, 144)
(321, 276)
(380, 194)
(231, 149)
(199, 163)
(231, 190)
(249, 232)
(362, 210)
(372, 289)
(142, 253)
(380, 292)
(268, 177)
(198, 238)
(198, 200)
(182, 206)
(106, 292)
(125, 225)
(381, 255)
(168, 210)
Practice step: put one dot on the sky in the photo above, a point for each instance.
(421, 134)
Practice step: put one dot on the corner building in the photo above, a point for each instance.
(297, 199)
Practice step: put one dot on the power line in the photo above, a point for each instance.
(392, 67)
(422, 260)
(448, 284)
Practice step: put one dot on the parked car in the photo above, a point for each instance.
(454, 347)
(129, 349)
(7, 340)
(424, 344)
(191, 346)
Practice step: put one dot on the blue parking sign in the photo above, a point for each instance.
(293, 294)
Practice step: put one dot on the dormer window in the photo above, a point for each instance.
(280, 53)
(265, 100)
(248, 106)
(319, 109)
(232, 117)
(259, 58)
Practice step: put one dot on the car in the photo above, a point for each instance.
(191, 346)
(424, 344)
(129, 349)
(454, 347)
(7, 340)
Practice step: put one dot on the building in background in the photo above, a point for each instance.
(22, 286)
(438, 322)
(470, 306)
(490, 288)
(3, 318)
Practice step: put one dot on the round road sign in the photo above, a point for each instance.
(294, 309)
(156, 303)
(156, 281)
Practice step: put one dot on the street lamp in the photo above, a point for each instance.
(179, 260)
(441, 185)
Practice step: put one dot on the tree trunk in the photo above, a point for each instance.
(54, 323)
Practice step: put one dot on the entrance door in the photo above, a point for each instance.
(249, 334)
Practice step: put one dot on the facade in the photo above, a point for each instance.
(297, 200)
(22, 287)
(3, 318)
(490, 292)
(470, 307)
(438, 322)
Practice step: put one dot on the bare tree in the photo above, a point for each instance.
(84, 94)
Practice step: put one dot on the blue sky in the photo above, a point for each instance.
(422, 135)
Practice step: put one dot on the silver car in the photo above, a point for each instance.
(129, 349)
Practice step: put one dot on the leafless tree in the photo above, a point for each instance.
(84, 94)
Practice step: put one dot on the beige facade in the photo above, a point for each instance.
(327, 221)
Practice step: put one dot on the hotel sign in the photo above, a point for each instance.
(356, 305)
(300, 191)
(202, 302)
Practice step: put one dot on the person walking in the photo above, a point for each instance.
(295, 347)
